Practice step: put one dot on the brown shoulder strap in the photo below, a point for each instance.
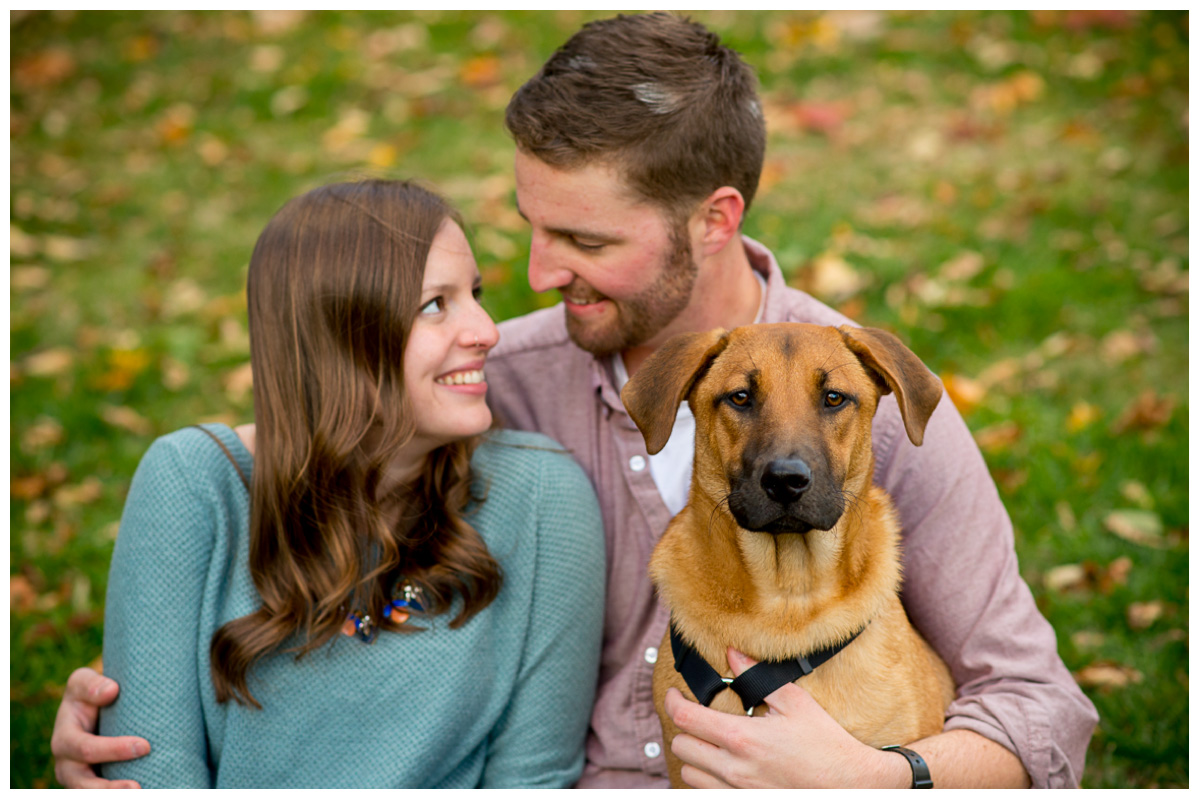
(228, 454)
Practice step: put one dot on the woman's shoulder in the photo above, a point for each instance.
(525, 456)
(184, 492)
(527, 476)
(202, 456)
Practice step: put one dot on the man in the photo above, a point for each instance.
(639, 147)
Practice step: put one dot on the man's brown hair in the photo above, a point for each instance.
(655, 95)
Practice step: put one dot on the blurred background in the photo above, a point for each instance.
(1008, 192)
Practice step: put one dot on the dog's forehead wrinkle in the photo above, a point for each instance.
(829, 372)
(833, 348)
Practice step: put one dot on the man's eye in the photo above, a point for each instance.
(583, 244)
(434, 306)
(740, 399)
(834, 399)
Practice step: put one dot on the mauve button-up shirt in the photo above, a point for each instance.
(962, 589)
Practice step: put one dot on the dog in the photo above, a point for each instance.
(786, 550)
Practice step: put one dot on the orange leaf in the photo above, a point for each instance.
(1107, 675)
(1087, 640)
(1142, 615)
(84, 493)
(998, 437)
(54, 361)
(1137, 526)
(1118, 571)
(43, 69)
(126, 418)
(27, 488)
(824, 118)
(1065, 578)
(829, 277)
(239, 382)
(966, 393)
(1147, 412)
(480, 72)
(21, 594)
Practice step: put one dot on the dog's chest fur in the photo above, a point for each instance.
(757, 593)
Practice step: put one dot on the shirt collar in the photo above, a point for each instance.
(762, 260)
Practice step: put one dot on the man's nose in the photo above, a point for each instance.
(544, 273)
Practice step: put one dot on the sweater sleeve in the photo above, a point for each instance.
(539, 740)
(964, 593)
(156, 582)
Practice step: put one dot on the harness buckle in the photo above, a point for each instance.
(750, 710)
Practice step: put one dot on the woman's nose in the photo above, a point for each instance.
(481, 332)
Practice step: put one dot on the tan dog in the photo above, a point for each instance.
(786, 547)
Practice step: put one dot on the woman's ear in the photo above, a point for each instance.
(718, 219)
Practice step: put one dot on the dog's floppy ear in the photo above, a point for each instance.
(897, 369)
(652, 396)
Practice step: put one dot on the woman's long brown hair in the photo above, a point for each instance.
(333, 289)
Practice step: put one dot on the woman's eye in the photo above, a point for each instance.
(834, 399)
(477, 293)
(434, 306)
(740, 399)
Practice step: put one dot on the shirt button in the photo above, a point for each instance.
(651, 655)
(637, 463)
(651, 749)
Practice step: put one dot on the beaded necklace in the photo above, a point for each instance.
(397, 610)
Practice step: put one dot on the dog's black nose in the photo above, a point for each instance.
(785, 479)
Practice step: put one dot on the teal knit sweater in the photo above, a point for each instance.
(503, 701)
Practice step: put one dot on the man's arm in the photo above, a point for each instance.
(75, 747)
(964, 593)
(798, 745)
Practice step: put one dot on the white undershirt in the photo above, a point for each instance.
(671, 467)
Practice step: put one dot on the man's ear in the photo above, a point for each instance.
(718, 220)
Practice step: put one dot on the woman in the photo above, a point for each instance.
(391, 599)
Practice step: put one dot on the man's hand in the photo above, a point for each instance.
(76, 749)
(797, 744)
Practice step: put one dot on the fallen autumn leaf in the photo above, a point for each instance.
(1136, 525)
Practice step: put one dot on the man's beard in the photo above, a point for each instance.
(640, 318)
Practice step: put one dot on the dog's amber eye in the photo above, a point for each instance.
(834, 399)
(740, 399)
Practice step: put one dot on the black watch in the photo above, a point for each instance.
(920, 769)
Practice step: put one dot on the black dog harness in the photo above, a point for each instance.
(755, 683)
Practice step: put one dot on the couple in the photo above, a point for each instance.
(639, 147)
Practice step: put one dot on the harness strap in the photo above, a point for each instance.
(755, 683)
(704, 681)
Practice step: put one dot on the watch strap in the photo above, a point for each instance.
(920, 770)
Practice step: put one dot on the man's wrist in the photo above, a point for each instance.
(918, 770)
(889, 772)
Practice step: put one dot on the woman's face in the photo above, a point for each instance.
(449, 341)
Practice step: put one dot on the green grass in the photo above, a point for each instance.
(148, 150)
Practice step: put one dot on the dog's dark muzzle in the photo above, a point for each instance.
(785, 480)
(783, 496)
